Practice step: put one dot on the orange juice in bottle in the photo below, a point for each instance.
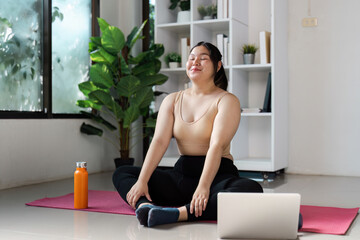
(81, 186)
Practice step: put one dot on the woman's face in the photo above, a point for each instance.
(199, 64)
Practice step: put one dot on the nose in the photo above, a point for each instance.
(197, 61)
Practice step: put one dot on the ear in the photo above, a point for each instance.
(219, 66)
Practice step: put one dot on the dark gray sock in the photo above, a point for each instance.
(158, 216)
(143, 212)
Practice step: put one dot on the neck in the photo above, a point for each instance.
(198, 89)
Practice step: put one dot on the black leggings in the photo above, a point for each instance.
(175, 187)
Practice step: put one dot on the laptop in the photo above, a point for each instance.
(258, 215)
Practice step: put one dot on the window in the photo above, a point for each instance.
(71, 30)
(21, 55)
(44, 55)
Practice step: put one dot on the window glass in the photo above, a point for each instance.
(21, 55)
(152, 21)
(71, 30)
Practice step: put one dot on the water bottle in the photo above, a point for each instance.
(81, 186)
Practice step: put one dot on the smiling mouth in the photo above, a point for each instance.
(195, 69)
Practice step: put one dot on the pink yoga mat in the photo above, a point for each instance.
(99, 201)
(328, 220)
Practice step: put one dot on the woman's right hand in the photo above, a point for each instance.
(138, 190)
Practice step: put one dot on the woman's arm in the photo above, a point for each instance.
(224, 128)
(158, 146)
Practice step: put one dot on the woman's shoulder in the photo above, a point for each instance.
(171, 98)
(227, 97)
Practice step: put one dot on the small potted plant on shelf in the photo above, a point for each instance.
(208, 12)
(173, 60)
(184, 14)
(249, 51)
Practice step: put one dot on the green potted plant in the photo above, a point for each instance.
(173, 59)
(249, 51)
(208, 12)
(120, 87)
(184, 14)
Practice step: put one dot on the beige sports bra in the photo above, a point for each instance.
(193, 138)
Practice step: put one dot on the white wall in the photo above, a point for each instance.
(324, 75)
(33, 150)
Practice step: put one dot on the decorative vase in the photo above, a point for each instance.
(174, 64)
(183, 16)
(249, 58)
(121, 162)
(207, 17)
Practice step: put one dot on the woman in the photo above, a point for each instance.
(203, 119)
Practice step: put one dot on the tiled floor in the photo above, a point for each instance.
(18, 221)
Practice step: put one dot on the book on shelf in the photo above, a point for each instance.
(251, 110)
(185, 48)
(264, 47)
(220, 42)
(226, 51)
(222, 9)
(267, 99)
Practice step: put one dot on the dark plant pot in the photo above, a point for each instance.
(120, 162)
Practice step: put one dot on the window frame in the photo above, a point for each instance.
(46, 112)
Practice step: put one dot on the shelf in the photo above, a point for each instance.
(179, 71)
(176, 27)
(213, 24)
(254, 164)
(253, 67)
(168, 161)
(265, 114)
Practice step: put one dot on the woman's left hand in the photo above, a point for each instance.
(199, 201)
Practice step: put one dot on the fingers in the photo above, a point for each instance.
(198, 205)
(147, 195)
(132, 199)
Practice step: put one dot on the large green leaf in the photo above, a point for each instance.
(139, 57)
(88, 104)
(152, 80)
(131, 114)
(95, 43)
(143, 97)
(150, 122)
(158, 49)
(96, 56)
(119, 113)
(113, 40)
(110, 58)
(128, 86)
(125, 70)
(147, 68)
(87, 87)
(135, 35)
(101, 76)
(90, 130)
(157, 65)
(103, 24)
(103, 98)
(107, 100)
(100, 55)
(100, 120)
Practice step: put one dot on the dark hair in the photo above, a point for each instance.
(220, 78)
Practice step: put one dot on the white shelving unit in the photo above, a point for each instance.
(261, 142)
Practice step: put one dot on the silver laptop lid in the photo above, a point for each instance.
(258, 215)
